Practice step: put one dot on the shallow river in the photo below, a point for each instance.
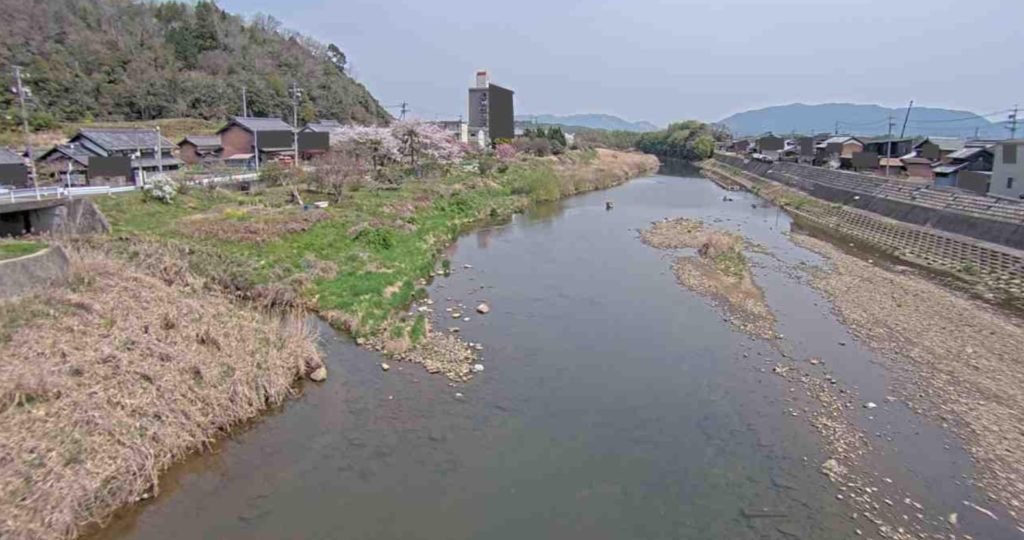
(614, 404)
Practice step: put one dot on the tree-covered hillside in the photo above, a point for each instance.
(129, 60)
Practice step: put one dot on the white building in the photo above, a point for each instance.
(1008, 169)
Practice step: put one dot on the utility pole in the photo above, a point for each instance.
(837, 128)
(405, 109)
(159, 153)
(905, 118)
(296, 92)
(245, 102)
(21, 91)
(888, 147)
(1013, 123)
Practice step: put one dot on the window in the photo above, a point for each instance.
(1010, 153)
(1009, 182)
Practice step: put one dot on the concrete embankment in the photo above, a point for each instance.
(19, 276)
(993, 270)
(984, 218)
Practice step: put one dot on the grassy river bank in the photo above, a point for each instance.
(182, 323)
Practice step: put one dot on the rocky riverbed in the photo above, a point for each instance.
(956, 359)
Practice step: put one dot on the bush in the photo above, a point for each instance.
(273, 174)
(161, 189)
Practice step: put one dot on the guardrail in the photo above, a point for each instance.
(63, 192)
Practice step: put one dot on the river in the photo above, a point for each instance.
(614, 404)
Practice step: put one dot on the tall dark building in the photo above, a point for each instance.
(491, 109)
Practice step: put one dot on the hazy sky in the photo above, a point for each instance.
(663, 61)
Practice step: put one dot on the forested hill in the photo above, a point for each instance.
(129, 60)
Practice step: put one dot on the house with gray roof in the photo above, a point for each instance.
(242, 134)
(331, 127)
(199, 149)
(138, 143)
(54, 165)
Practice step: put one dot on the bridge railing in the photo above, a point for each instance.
(10, 196)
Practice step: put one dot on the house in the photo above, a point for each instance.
(199, 149)
(842, 146)
(740, 146)
(13, 171)
(139, 144)
(918, 168)
(937, 148)
(56, 163)
(969, 158)
(881, 146)
(460, 129)
(1008, 169)
(242, 134)
(331, 127)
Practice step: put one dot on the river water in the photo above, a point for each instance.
(614, 404)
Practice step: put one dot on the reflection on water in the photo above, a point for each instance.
(613, 405)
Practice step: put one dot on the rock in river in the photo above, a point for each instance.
(483, 308)
(319, 374)
(384, 366)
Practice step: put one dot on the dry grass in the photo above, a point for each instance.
(719, 271)
(608, 168)
(254, 224)
(104, 385)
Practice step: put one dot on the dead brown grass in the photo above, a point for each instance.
(609, 168)
(117, 377)
(719, 271)
(254, 224)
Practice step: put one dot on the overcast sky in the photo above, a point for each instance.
(664, 61)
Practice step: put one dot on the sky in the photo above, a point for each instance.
(667, 61)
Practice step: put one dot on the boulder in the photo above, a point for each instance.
(319, 374)
(483, 308)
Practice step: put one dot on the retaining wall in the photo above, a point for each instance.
(988, 219)
(997, 269)
(44, 268)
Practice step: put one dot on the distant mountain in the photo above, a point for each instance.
(595, 121)
(860, 120)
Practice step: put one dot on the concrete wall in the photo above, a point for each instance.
(74, 217)
(998, 232)
(19, 276)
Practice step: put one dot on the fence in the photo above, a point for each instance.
(11, 196)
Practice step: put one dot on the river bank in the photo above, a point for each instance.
(953, 358)
(169, 334)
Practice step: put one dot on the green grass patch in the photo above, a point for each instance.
(731, 262)
(378, 244)
(12, 249)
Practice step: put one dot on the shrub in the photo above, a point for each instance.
(161, 189)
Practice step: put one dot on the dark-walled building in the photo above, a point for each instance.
(491, 110)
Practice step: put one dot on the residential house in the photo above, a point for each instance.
(842, 146)
(195, 149)
(881, 146)
(240, 136)
(460, 129)
(54, 165)
(138, 144)
(967, 159)
(13, 171)
(918, 168)
(771, 146)
(937, 148)
(1008, 169)
(740, 146)
(331, 127)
